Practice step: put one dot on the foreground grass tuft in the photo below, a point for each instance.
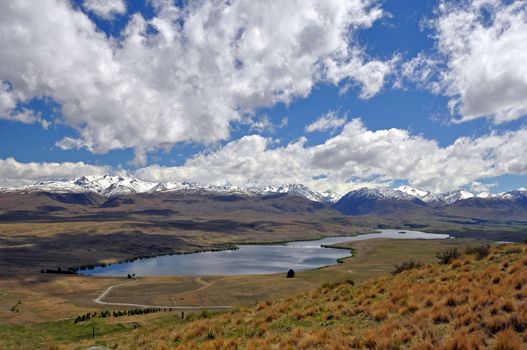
(508, 340)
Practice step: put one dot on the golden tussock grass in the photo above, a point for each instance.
(508, 340)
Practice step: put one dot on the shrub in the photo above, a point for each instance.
(407, 265)
(446, 256)
(480, 251)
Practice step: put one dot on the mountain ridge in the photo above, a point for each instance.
(113, 185)
(406, 192)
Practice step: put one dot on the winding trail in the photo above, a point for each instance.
(204, 284)
(99, 300)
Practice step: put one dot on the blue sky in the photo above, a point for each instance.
(177, 135)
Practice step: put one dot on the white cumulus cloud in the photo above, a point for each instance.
(9, 100)
(355, 155)
(106, 9)
(479, 59)
(327, 122)
(186, 74)
(14, 173)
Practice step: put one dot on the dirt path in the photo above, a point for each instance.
(99, 299)
(204, 284)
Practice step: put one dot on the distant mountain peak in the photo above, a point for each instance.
(403, 192)
(381, 192)
(423, 195)
(454, 196)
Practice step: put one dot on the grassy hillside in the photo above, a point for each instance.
(473, 302)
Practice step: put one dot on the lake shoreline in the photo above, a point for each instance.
(74, 270)
(245, 258)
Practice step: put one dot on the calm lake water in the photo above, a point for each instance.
(251, 259)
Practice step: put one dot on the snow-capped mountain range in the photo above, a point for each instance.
(406, 192)
(111, 185)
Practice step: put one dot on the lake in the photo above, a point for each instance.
(251, 259)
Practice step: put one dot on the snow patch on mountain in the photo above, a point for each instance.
(108, 185)
(519, 194)
(454, 196)
(425, 196)
(295, 189)
(383, 192)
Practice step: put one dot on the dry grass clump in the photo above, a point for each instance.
(480, 304)
(508, 340)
